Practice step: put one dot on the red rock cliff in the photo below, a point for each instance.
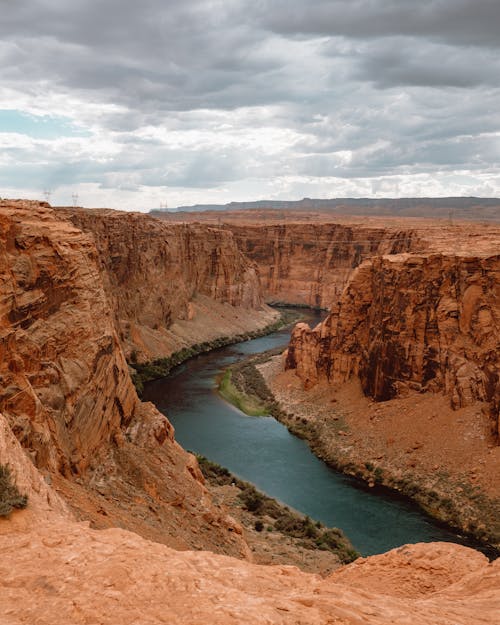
(427, 322)
(67, 395)
(157, 275)
(311, 263)
(65, 385)
(308, 259)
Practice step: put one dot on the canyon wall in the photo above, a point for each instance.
(308, 260)
(310, 264)
(421, 322)
(172, 285)
(65, 384)
(67, 395)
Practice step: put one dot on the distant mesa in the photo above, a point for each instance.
(473, 208)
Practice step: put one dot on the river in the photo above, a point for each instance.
(262, 451)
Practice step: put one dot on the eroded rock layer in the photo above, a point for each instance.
(422, 322)
(158, 276)
(67, 394)
(311, 263)
(57, 571)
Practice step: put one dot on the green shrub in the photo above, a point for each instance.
(10, 497)
(252, 500)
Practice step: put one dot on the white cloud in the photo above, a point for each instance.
(207, 101)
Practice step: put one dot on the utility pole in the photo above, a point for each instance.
(74, 197)
(47, 193)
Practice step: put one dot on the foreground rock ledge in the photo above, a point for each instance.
(55, 571)
(67, 573)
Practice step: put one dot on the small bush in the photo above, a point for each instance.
(252, 500)
(10, 497)
(259, 526)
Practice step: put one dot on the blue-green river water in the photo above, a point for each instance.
(262, 451)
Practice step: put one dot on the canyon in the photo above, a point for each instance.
(407, 359)
(116, 505)
(172, 285)
(69, 399)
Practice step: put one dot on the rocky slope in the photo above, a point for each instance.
(419, 334)
(422, 322)
(57, 571)
(172, 285)
(67, 394)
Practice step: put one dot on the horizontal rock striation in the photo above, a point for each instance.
(66, 392)
(157, 274)
(423, 322)
(310, 264)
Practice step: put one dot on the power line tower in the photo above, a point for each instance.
(74, 197)
(46, 194)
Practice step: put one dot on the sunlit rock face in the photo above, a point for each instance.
(65, 384)
(67, 395)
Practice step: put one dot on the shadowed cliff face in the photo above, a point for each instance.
(421, 322)
(67, 395)
(152, 271)
(311, 263)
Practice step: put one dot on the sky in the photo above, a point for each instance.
(137, 105)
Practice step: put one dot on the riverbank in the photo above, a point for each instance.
(353, 435)
(142, 372)
(275, 533)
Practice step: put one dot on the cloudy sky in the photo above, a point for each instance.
(131, 103)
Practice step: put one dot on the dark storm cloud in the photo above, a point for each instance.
(426, 65)
(164, 54)
(159, 55)
(349, 88)
(457, 22)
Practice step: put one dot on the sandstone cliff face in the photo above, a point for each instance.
(67, 395)
(157, 275)
(428, 322)
(65, 385)
(311, 263)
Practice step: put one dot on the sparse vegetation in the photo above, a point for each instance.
(248, 404)
(243, 386)
(161, 367)
(10, 497)
(277, 517)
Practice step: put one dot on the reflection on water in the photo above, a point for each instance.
(262, 451)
